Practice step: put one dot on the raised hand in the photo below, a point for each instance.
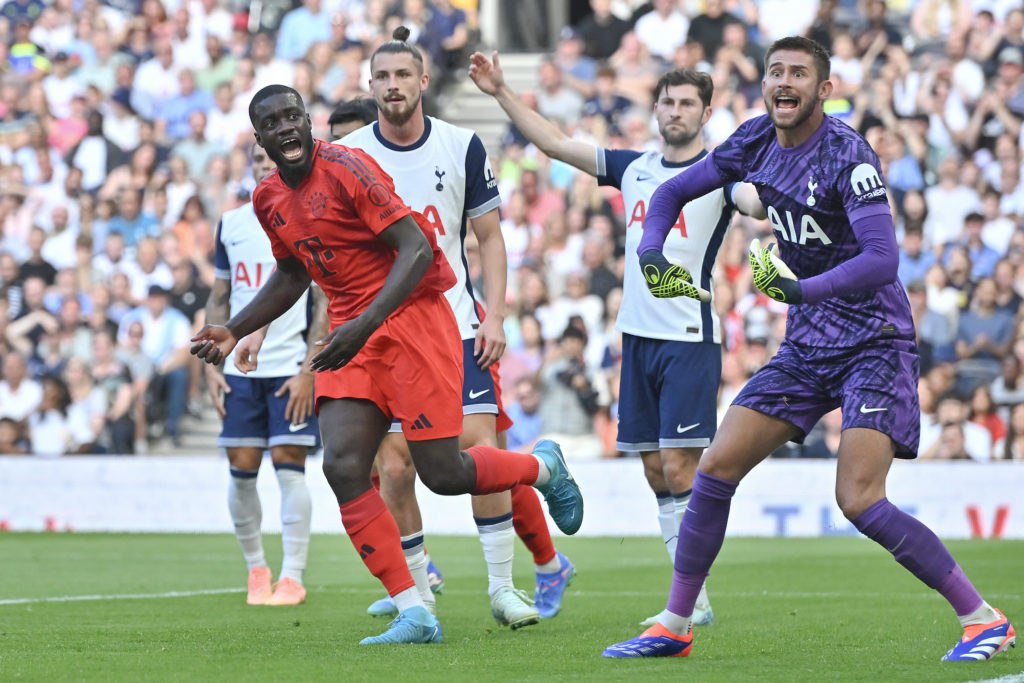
(486, 73)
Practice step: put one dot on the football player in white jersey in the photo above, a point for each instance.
(671, 348)
(269, 405)
(443, 172)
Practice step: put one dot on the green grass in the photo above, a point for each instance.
(787, 610)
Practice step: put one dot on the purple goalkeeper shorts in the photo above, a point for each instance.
(875, 385)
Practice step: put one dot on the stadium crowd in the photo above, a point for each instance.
(124, 135)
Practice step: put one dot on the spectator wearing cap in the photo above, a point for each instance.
(662, 29)
(61, 86)
(120, 123)
(166, 332)
(578, 70)
(601, 31)
(1011, 77)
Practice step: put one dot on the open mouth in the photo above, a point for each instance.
(786, 103)
(291, 149)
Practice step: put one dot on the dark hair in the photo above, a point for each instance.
(397, 45)
(358, 109)
(703, 82)
(268, 91)
(801, 44)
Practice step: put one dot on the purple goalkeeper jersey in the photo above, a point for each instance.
(827, 204)
(812, 193)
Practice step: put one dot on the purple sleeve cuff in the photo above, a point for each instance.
(875, 266)
(668, 200)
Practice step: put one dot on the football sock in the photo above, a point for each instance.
(531, 526)
(410, 597)
(679, 502)
(699, 545)
(675, 623)
(499, 470)
(983, 615)
(296, 512)
(918, 549)
(667, 521)
(416, 560)
(247, 515)
(374, 533)
(549, 567)
(498, 539)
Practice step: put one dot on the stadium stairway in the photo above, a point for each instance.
(464, 104)
(199, 430)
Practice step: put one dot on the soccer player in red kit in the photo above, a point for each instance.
(333, 217)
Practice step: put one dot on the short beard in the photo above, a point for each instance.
(399, 119)
(680, 139)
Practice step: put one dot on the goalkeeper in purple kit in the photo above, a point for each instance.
(849, 343)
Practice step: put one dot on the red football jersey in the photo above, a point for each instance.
(330, 223)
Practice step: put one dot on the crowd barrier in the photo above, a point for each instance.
(779, 498)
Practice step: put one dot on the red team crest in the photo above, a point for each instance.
(317, 203)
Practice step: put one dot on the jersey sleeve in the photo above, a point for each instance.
(370, 189)
(481, 185)
(221, 264)
(264, 212)
(860, 185)
(612, 164)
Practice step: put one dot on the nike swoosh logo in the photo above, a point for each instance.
(680, 428)
(641, 178)
(864, 409)
(295, 428)
(478, 394)
(237, 242)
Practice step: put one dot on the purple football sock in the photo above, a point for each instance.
(700, 538)
(917, 548)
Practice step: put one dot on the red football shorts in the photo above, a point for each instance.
(503, 422)
(411, 368)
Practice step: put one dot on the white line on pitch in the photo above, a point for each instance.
(131, 596)
(1011, 678)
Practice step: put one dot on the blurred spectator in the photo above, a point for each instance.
(779, 18)
(147, 270)
(983, 257)
(61, 86)
(131, 222)
(555, 99)
(571, 396)
(12, 438)
(302, 27)
(226, 125)
(166, 332)
(524, 410)
(605, 100)
(914, 259)
(637, 72)
(1007, 298)
(601, 31)
(1011, 447)
(935, 331)
(953, 437)
(932, 21)
(33, 320)
(87, 409)
(114, 380)
(19, 394)
(708, 28)
(220, 64)
(195, 149)
(25, 59)
(188, 293)
(48, 426)
(662, 29)
(36, 266)
(129, 353)
(578, 70)
(983, 412)
(156, 81)
(175, 113)
(445, 38)
(983, 338)
(875, 26)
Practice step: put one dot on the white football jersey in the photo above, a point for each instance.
(446, 176)
(692, 243)
(243, 256)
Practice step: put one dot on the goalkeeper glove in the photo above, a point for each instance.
(772, 276)
(666, 280)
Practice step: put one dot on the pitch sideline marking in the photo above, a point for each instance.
(1010, 678)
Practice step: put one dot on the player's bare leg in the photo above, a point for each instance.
(670, 473)
(492, 514)
(296, 513)
(352, 431)
(865, 456)
(247, 516)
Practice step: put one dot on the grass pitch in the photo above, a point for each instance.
(111, 607)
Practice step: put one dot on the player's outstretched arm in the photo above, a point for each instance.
(488, 76)
(414, 257)
(214, 342)
(748, 202)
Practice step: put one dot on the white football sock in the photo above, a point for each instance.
(549, 567)
(498, 539)
(296, 512)
(543, 473)
(983, 615)
(247, 515)
(675, 623)
(667, 522)
(416, 559)
(410, 597)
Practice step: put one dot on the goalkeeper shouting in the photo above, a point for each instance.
(849, 342)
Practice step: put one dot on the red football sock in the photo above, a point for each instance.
(374, 533)
(530, 525)
(498, 470)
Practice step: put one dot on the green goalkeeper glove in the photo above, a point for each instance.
(667, 280)
(772, 276)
